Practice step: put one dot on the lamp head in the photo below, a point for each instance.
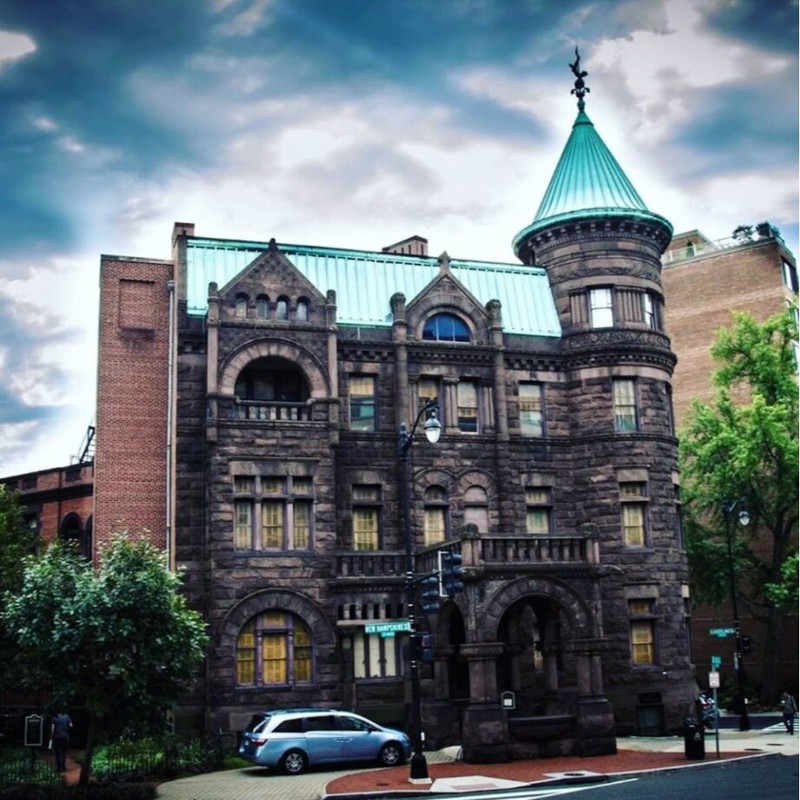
(744, 518)
(433, 428)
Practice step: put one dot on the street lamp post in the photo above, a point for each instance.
(728, 510)
(433, 430)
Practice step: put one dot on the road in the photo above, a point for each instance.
(771, 777)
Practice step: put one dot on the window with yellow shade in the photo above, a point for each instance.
(273, 513)
(274, 648)
(643, 632)
(435, 519)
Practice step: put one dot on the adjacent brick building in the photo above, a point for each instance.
(704, 283)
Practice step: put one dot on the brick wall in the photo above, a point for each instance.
(130, 459)
(701, 293)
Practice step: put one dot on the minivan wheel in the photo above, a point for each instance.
(294, 762)
(390, 755)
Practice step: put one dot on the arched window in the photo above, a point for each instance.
(302, 309)
(262, 306)
(274, 648)
(241, 305)
(71, 532)
(445, 328)
(435, 521)
(282, 308)
(476, 508)
(272, 388)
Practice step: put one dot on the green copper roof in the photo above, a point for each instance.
(588, 183)
(587, 176)
(364, 281)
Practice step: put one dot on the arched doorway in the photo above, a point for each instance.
(535, 666)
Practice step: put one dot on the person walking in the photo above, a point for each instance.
(789, 709)
(59, 739)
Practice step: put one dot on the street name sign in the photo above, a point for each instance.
(388, 628)
(722, 632)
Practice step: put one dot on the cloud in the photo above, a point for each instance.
(14, 46)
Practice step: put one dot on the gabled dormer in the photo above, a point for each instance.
(445, 311)
(271, 291)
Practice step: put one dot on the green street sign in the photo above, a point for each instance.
(716, 662)
(722, 632)
(388, 628)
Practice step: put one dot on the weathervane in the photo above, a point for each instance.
(580, 89)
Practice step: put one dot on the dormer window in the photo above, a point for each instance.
(445, 328)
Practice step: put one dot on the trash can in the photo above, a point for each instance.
(694, 742)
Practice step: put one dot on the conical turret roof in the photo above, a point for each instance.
(587, 177)
(588, 183)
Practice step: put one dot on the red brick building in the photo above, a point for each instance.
(704, 283)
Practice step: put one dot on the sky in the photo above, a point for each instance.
(349, 123)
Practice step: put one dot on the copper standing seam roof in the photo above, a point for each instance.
(365, 280)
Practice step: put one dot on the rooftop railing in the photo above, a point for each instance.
(704, 246)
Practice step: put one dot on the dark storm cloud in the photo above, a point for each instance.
(771, 24)
(125, 89)
(753, 125)
(69, 120)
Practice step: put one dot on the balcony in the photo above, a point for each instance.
(260, 410)
(513, 553)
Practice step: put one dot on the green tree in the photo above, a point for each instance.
(16, 542)
(118, 638)
(744, 446)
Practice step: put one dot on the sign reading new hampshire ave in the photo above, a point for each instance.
(388, 628)
(721, 632)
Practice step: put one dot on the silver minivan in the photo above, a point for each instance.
(291, 739)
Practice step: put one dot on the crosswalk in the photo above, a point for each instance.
(533, 792)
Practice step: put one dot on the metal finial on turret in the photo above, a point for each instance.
(580, 89)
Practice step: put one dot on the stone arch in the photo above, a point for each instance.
(581, 616)
(275, 599)
(476, 477)
(315, 373)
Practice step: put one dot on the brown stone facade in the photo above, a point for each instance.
(546, 617)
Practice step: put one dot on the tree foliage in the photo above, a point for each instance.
(16, 542)
(743, 447)
(118, 639)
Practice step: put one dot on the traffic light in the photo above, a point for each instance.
(426, 647)
(747, 645)
(452, 574)
(430, 594)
